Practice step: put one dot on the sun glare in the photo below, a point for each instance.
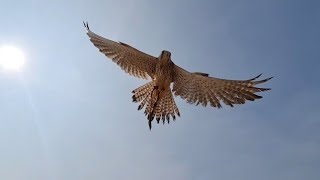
(11, 58)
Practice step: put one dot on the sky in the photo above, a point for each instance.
(68, 114)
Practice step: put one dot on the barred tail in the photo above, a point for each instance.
(159, 105)
(142, 92)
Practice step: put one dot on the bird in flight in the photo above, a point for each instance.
(157, 96)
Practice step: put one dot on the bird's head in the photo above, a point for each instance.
(165, 55)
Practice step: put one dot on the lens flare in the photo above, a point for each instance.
(11, 58)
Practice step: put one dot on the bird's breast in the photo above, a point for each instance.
(164, 75)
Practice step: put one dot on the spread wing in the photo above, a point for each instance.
(199, 88)
(131, 60)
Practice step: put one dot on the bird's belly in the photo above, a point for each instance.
(163, 78)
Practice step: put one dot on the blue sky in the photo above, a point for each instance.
(68, 115)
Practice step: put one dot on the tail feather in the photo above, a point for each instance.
(142, 92)
(174, 106)
(152, 104)
(165, 108)
(156, 107)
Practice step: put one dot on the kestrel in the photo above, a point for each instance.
(195, 87)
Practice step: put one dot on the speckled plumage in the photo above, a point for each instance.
(196, 88)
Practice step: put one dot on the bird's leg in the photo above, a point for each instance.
(154, 95)
(154, 100)
(158, 95)
(155, 87)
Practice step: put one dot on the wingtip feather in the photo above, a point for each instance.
(86, 25)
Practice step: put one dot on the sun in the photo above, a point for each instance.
(11, 58)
